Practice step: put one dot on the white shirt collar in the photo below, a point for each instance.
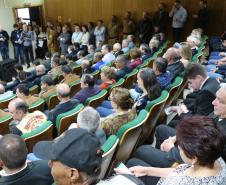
(3, 173)
(204, 82)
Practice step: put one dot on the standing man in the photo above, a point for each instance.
(160, 19)
(128, 25)
(17, 46)
(99, 31)
(64, 39)
(26, 38)
(113, 30)
(4, 45)
(202, 17)
(144, 28)
(179, 15)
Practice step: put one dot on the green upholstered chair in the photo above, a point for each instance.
(34, 90)
(129, 135)
(64, 120)
(130, 79)
(77, 69)
(4, 103)
(95, 74)
(97, 99)
(154, 109)
(108, 148)
(4, 124)
(52, 101)
(75, 87)
(41, 133)
(38, 105)
(119, 83)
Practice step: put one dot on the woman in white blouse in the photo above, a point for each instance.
(85, 35)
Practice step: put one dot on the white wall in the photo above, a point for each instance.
(6, 13)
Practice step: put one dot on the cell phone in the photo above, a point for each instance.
(124, 169)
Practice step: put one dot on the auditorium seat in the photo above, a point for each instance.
(130, 79)
(39, 105)
(4, 124)
(97, 99)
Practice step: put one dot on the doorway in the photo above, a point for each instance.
(31, 15)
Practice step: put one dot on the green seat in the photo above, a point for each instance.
(95, 74)
(41, 133)
(52, 101)
(119, 83)
(77, 69)
(38, 105)
(64, 120)
(34, 90)
(75, 87)
(130, 79)
(197, 56)
(108, 149)
(4, 124)
(4, 103)
(154, 109)
(128, 135)
(97, 99)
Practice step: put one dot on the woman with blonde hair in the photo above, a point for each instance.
(107, 76)
(185, 54)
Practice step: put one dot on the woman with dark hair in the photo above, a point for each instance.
(87, 88)
(201, 143)
(122, 104)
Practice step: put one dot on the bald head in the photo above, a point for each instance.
(13, 103)
(63, 91)
(117, 47)
(171, 55)
(2, 89)
(18, 108)
(40, 70)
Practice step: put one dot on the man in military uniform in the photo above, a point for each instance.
(113, 30)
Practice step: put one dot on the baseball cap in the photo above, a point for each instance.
(75, 148)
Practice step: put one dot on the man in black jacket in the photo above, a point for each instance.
(122, 67)
(15, 169)
(4, 45)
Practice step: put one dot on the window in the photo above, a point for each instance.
(23, 15)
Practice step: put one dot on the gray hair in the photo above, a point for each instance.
(89, 119)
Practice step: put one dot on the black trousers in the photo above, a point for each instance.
(154, 156)
(28, 53)
(176, 34)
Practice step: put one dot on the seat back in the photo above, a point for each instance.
(154, 109)
(77, 70)
(4, 124)
(97, 99)
(128, 135)
(39, 105)
(75, 87)
(34, 90)
(119, 83)
(42, 133)
(108, 148)
(64, 120)
(4, 103)
(53, 101)
(95, 74)
(130, 79)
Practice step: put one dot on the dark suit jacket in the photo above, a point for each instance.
(222, 125)
(122, 72)
(201, 102)
(175, 69)
(61, 108)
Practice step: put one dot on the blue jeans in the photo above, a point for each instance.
(18, 53)
(4, 50)
(105, 109)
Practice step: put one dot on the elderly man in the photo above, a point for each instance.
(24, 122)
(166, 152)
(122, 67)
(89, 119)
(3, 94)
(22, 92)
(117, 49)
(108, 56)
(66, 104)
(15, 169)
(175, 66)
(125, 46)
(47, 87)
(40, 71)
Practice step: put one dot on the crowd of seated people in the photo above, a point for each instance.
(79, 62)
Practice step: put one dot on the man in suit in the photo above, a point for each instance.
(66, 104)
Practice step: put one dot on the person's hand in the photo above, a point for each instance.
(182, 109)
(220, 63)
(139, 171)
(168, 144)
(195, 16)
